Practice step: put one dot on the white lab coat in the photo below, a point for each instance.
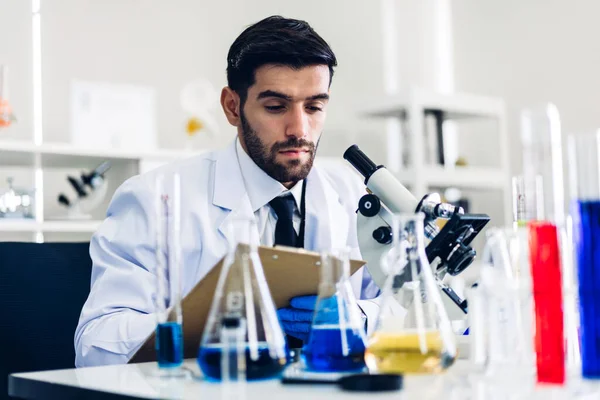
(117, 316)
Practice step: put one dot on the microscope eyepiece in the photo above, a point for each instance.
(361, 162)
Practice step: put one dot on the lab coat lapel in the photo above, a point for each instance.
(230, 192)
(326, 220)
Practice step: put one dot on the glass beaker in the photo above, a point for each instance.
(167, 296)
(337, 339)
(584, 151)
(242, 339)
(421, 340)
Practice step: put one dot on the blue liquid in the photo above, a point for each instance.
(586, 224)
(169, 345)
(324, 350)
(209, 360)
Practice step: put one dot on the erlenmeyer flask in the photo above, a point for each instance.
(337, 338)
(242, 339)
(421, 340)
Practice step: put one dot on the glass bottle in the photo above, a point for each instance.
(337, 338)
(418, 338)
(242, 339)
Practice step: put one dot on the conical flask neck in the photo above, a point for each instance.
(411, 234)
(243, 235)
(334, 270)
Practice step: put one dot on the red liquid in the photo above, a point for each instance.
(547, 294)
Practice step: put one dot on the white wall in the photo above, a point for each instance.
(530, 52)
(15, 51)
(166, 44)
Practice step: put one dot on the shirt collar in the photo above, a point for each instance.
(261, 188)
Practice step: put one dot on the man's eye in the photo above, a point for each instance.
(274, 108)
(315, 108)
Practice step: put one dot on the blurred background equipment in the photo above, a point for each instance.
(17, 203)
(199, 100)
(90, 188)
(113, 115)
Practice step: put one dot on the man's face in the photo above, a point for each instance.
(282, 119)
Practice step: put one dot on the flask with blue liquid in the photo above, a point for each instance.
(337, 339)
(242, 339)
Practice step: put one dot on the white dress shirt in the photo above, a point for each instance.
(261, 190)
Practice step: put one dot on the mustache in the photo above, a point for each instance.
(293, 143)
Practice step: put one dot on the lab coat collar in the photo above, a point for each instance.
(260, 186)
(230, 192)
(228, 185)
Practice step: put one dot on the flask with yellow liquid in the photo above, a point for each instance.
(413, 332)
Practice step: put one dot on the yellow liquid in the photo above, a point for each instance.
(401, 354)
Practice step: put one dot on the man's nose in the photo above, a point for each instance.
(297, 123)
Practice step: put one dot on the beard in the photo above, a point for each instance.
(266, 158)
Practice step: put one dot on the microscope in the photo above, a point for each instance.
(90, 189)
(448, 248)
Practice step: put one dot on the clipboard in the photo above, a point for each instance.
(289, 272)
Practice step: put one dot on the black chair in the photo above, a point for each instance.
(42, 289)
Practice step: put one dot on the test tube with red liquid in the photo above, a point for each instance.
(544, 197)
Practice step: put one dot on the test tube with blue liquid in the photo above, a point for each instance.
(167, 296)
(337, 339)
(584, 151)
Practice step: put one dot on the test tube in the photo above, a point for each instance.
(167, 298)
(544, 203)
(584, 151)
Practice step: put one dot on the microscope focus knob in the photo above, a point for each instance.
(383, 235)
(369, 205)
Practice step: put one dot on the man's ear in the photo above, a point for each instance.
(230, 101)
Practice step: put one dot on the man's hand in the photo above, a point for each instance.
(296, 319)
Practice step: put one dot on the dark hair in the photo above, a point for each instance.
(275, 40)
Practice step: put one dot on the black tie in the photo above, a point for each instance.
(285, 234)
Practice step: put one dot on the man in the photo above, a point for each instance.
(279, 73)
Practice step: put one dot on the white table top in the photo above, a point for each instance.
(139, 381)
